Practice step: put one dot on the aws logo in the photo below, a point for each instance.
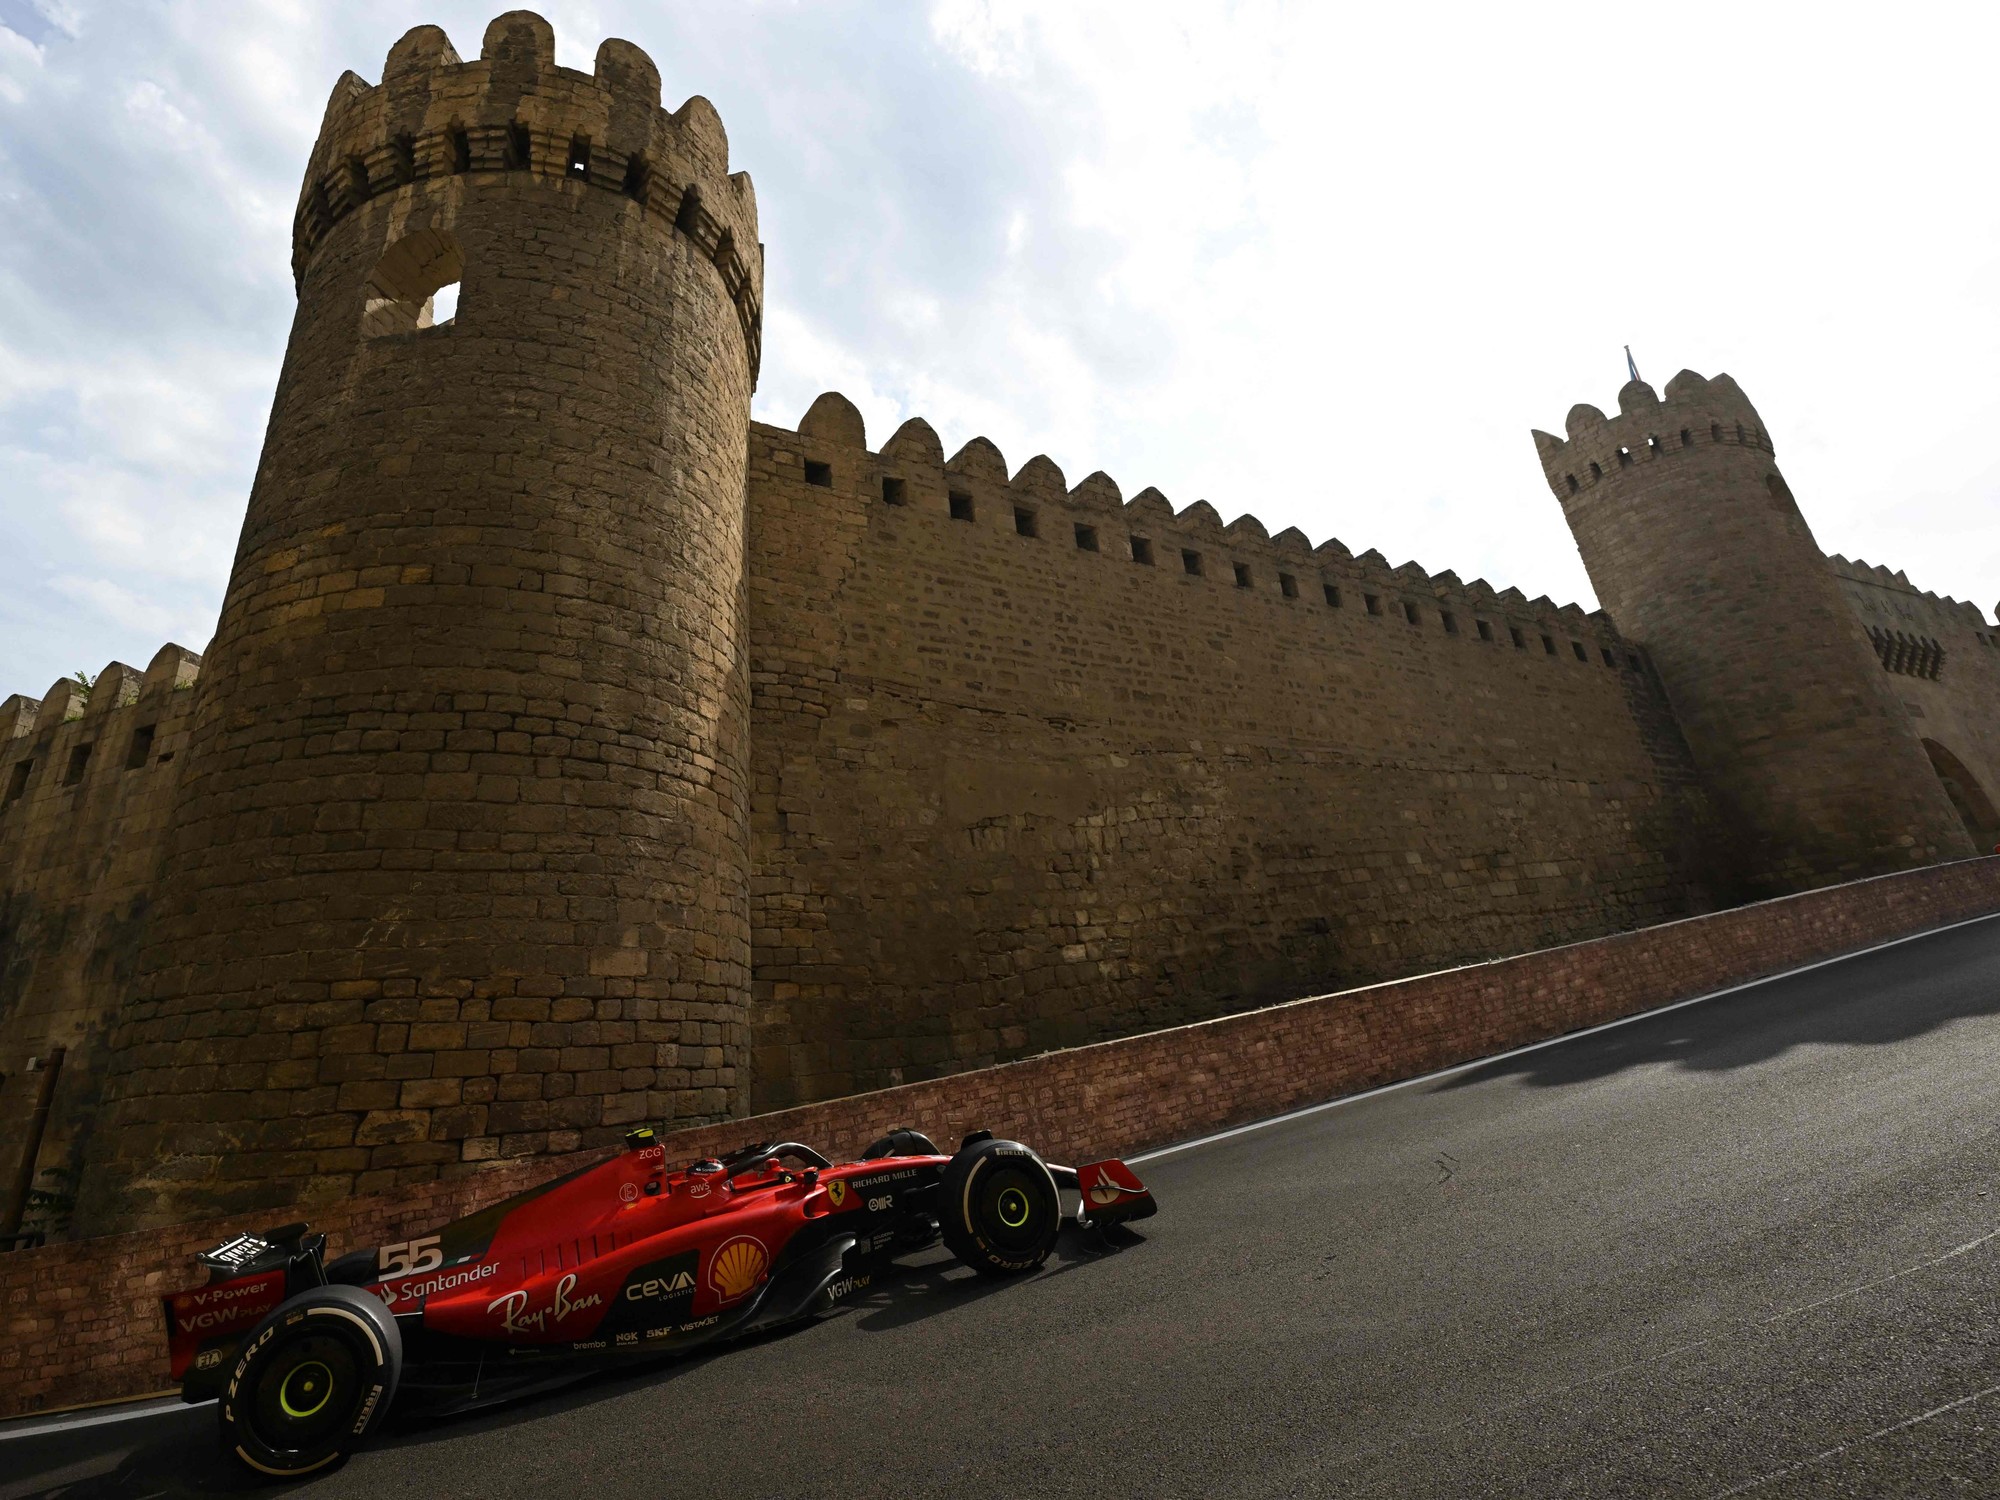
(737, 1266)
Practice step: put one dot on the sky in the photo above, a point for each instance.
(1326, 264)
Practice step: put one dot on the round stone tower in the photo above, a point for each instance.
(460, 867)
(1697, 549)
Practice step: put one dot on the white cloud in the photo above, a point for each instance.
(1325, 264)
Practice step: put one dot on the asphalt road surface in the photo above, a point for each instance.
(1748, 1247)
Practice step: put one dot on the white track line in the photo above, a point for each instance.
(1554, 1041)
(1852, 1443)
(154, 1408)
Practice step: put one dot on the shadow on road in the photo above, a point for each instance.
(175, 1454)
(1874, 1000)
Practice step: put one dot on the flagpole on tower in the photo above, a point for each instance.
(1634, 369)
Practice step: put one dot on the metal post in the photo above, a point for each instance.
(24, 1177)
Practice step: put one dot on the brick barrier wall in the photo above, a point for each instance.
(81, 1322)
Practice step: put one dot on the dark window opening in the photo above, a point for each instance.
(1652, 446)
(819, 474)
(1485, 630)
(961, 505)
(1242, 574)
(1581, 654)
(1288, 586)
(142, 747)
(1450, 621)
(406, 158)
(1687, 438)
(1086, 538)
(1410, 612)
(1549, 645)
(1190, 562)
(638, 176)
(1024, 522)
(1142, 551)
(1740, 437)
(579, 156)
(1715, 432)
(1332, 591)
(892, 491)
(461, 151)
(1624, 458)
(1633, 659)
(1520, 641)
(1570, 480)
(1374, 603)
(79, 758)
(687, 218)
(357, 176)
(1610, 660)
(518, 149)
(1596, 472)
(17, 779)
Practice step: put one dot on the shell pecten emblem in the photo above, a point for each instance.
(737, 1266)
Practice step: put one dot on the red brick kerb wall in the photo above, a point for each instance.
(81, 1322)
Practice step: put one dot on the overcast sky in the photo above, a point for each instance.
(1326, 264)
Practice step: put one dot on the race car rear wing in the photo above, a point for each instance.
(247, 1277)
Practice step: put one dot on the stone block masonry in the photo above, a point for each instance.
(574, 751)
(1016, 787)
(81, 1322)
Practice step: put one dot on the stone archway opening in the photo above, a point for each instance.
(1975, 807)
(414, 285)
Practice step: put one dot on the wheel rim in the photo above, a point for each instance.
(306, 1395)
(306, 1390)
(1012, 1206)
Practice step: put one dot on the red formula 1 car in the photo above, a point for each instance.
(624, 1260)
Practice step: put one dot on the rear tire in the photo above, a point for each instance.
(998, 1208)
(312, 1382)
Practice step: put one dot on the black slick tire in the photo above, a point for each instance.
(313, 1380)
(998, 1208)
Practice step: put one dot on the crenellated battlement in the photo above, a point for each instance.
(514, 113)
(1697, 412)
(1896, 581)
(1192, 542)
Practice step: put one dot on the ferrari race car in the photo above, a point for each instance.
(617, 1262)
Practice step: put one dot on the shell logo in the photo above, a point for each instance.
(737, 1267)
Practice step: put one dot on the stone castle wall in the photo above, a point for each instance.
(1016, 789)
(1943, 664)
(574, 751)
(1696, 546)
(87, 784)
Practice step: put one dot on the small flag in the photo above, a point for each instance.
(1634, 369)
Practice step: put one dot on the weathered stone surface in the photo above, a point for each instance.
(574, 751)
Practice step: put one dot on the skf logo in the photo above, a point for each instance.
(837, 1191)
(736, 1268)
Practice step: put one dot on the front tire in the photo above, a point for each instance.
(998, 1208)
(312, 1382)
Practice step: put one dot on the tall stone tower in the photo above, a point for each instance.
(1697, 549)
(460, 867)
